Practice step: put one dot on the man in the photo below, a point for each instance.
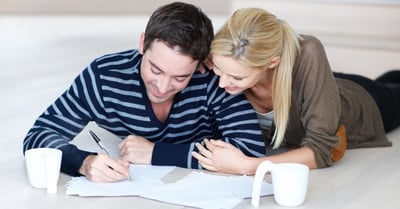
(153, 98)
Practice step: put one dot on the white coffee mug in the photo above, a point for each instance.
(289, 181)
(43, 168)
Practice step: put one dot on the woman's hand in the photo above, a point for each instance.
(223, 157)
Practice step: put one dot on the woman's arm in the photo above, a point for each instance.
(223, 157)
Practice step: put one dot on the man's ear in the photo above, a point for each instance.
(141, 43)
(274, 62)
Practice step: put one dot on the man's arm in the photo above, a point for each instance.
(62, 121)
(238, 123)
(232, 119)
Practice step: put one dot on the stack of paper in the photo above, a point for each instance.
(197, 189)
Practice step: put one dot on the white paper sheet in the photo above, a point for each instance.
(144, 177)
(197, 189)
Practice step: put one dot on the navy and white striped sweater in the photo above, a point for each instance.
(111, 93)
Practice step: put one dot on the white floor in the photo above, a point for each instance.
(40, 56)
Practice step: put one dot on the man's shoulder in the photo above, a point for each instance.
(208, 83)
(204, 77)
(124, 62)
(205, 80)
(113, 68)
(118, 58)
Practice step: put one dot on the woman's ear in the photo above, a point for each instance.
(274, 62)
(141, 43)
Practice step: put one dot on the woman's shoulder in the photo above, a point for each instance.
(312, 62)
(310, 44)
(312, 53)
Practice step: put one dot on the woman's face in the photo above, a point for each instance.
(234, 77)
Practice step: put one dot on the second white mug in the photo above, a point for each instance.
(289, 181)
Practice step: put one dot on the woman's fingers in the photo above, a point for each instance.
(205, 152)
(204, 162)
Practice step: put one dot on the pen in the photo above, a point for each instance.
(98, 142)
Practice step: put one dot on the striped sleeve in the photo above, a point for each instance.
(237, 121)
(65, 118)
(227, 117)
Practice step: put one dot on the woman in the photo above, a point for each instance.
(304, 109)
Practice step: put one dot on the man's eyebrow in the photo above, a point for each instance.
(158, 68)
(155, 66)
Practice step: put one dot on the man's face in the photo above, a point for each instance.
(165, 71)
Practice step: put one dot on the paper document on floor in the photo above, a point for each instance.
(197, 189)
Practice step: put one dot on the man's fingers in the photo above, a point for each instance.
(107, 169)
(120, 166)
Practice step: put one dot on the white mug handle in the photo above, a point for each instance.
(262, 169)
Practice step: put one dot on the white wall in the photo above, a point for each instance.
(102, 6)
(359, 38)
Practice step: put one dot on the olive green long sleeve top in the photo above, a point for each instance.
(320, 103)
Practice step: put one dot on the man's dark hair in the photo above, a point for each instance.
(180, 25)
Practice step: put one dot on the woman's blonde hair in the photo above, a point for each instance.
(254, 37)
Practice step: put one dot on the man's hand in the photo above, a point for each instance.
(103, 168)
(136, 149)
